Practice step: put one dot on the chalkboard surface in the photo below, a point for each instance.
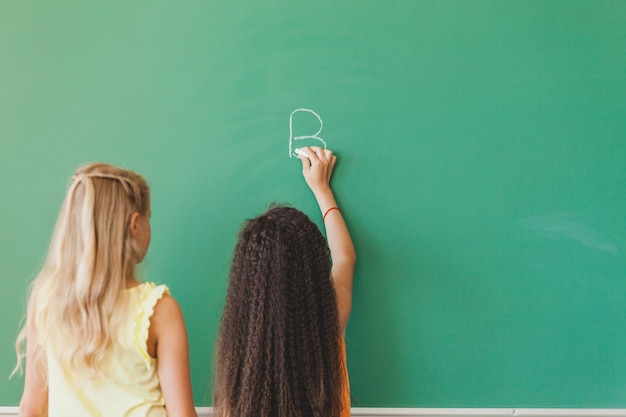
(482, 149)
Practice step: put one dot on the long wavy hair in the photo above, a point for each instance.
(278, 345)
(75, 301)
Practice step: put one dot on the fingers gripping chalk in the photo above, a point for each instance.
(300, 152)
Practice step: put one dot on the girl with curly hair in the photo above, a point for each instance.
(280, 349)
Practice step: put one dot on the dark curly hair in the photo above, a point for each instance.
(278, 344)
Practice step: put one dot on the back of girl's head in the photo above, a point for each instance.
(94, 223)
(91, 255)
(277, 349)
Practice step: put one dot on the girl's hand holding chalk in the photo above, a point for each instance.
(317, 166)
(300, 152)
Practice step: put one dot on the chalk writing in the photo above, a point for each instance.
(314, 136)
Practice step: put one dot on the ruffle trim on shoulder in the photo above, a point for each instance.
(148, 298)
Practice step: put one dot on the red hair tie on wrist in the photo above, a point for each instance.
(328, 211)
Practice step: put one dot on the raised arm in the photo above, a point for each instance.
(317, 168)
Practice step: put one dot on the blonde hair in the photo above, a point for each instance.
(75, 301)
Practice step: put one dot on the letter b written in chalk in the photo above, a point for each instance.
(314, 136)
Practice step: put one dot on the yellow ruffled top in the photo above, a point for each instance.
(129, 386)
(147, 298)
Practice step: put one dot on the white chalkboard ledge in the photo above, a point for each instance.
(440, 412)
(500, 412)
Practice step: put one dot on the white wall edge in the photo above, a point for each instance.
(440, 412)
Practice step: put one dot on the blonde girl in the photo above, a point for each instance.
(280, 348)
(98, 342)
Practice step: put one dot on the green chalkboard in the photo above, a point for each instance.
(482, 149)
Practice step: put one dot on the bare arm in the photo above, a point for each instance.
(317, 168)
(167, 330)
(34, 401)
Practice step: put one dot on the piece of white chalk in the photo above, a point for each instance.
(299, 151)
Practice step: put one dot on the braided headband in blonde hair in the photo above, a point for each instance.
(126, 182)
(79, 177)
